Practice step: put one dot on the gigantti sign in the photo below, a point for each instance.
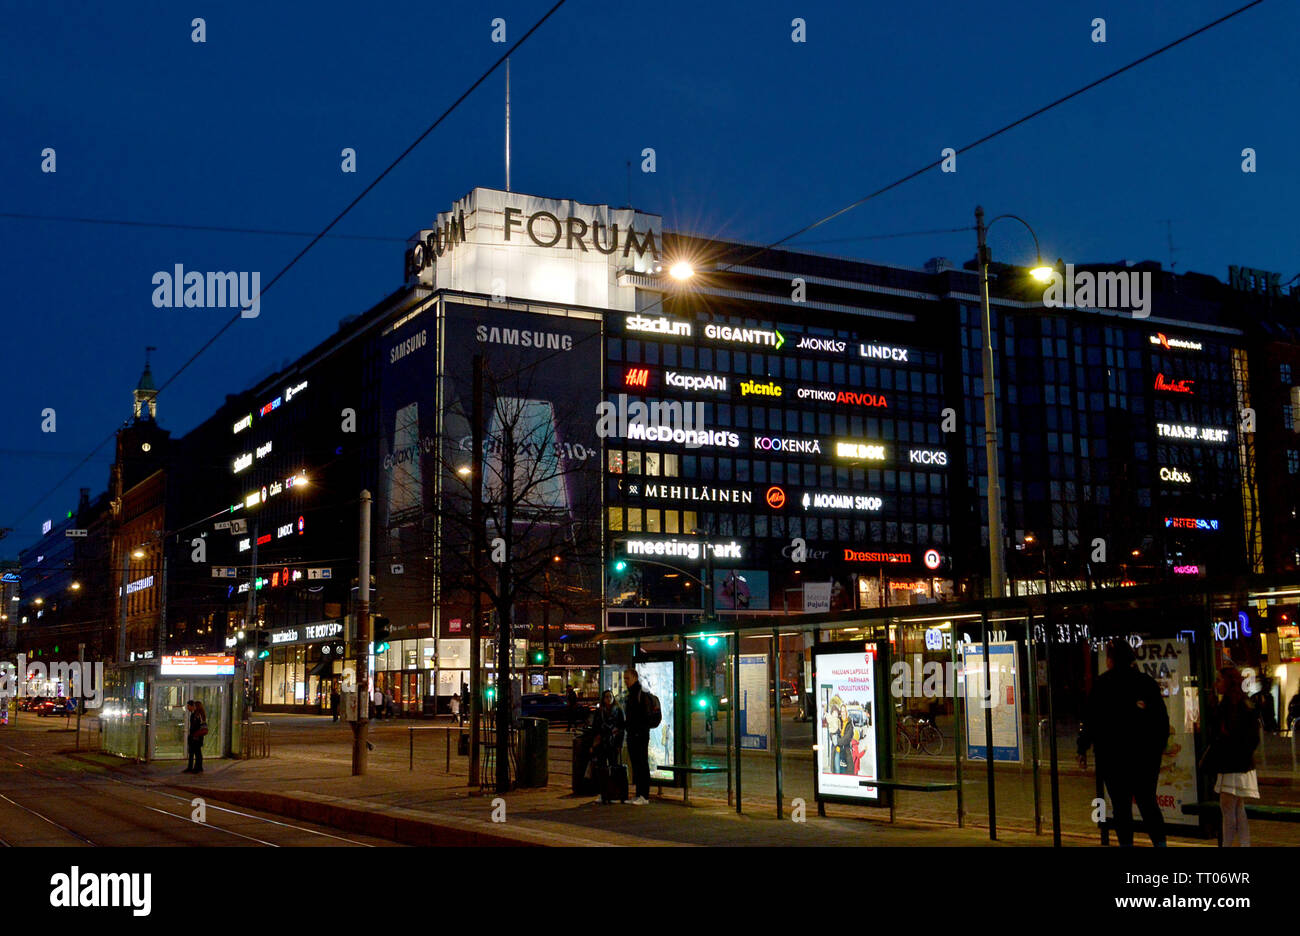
(508, 245)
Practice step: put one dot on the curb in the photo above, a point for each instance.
(393, 823)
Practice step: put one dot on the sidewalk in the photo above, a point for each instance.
(310, 778)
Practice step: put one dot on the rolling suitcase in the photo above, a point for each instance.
(614, 783)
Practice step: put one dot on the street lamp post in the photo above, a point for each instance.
(997, 571)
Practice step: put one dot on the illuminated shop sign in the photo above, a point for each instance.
(860, 450)
(793, 446)
(659, 325)
(695, 381)
(244, 423)
(264, 539)
(932, 559)
(843, 396)
(1174, 344)
(245, 544)
(765, 337)
(691, 438)
(273, 405)
(754, 388)
(284, 530)
(264, 450)
(637, 377)
(775, 497)
(198, 666)
(292, 392)
(1187, 570)
(573, 230)
(1191, 523)
(690, 492)
(139, 585)
(523, 338)
(243, 461)
(927, 457)
(808, 343)
(1176, 476)
(1191, 433)
(854, 555)
(825, 500)
(309, 633)
(46, 527)
(1174, 386)
(682, 549)
(275, 488)
(252, 500)
(886, 352)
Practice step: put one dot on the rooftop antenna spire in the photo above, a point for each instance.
(507, 124)
(1169, 235)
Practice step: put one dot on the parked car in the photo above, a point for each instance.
(551, 706)
(54, 707)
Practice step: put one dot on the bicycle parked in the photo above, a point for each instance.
(917, 733)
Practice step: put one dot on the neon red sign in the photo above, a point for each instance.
(1174, 386)
(637, 377)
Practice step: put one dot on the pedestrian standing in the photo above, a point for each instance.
(607, 742)
(572, 698)
(334, 702)
(377, 703)
(1234, 735)
(198, 730)
(637, 722)
(1128, 724)
(389, 711)
(455, 707)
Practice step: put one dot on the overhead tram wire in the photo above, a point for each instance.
(211, 228)
(317, 238)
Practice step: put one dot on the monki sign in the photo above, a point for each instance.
(543, 229)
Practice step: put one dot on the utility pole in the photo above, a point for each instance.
(997, 576)
(476, 554)
(505, 609)
(362, 650)
(121, 601)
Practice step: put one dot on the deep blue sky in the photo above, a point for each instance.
(756, 136)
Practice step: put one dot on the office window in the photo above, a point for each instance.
(1284, 371)
(1292, 461)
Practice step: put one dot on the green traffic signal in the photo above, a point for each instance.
(264, 654)
(703, 702)
(539, 657)
(712, 642)
(620, 565)
(382, 647)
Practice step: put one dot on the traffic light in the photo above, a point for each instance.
(712, 642)
(620, 565)
(262, 640)
(537, 658)
(381, 633)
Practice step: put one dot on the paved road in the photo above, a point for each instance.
(48, 798)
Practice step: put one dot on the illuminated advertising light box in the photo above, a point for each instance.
(850, 397)
(851, 712)
(659, 325)
(198, 666)
(760, 337)
(682, 381)
(860, 451)
(1191, 433)
(830, 500)
(883, 352)
(1191, 523)
(829, 345)
(1173, 386)
(1174, 344)
(657, 675)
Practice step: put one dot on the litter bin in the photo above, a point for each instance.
(462, 744)
(534, 737)
(581, 759)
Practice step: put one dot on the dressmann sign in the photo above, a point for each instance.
(506, 244)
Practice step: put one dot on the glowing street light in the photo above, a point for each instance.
(681, 270)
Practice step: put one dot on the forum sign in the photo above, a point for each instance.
(506, 245)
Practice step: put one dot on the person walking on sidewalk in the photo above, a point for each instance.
(1126, 720)
(1234, 735)
(637, 722)
(455, 707)
(377, 704)
(194, 738)
(334, 703)
(571, 698)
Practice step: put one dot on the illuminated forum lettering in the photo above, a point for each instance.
(573, 231)
(682, 549)
(695, 381)
(1191, 433)
(793, 446)
(860, 450)
(769, 338)
(886, 352)
(661, 325)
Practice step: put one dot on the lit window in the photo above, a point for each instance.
(1285, 373)
(1292, 461)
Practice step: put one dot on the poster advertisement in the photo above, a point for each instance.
(659, 678)
(741, 590)
(1168, 662)
(847, 710)
(1004, 702)
(755, 702)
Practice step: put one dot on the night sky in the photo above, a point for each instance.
(755, 136)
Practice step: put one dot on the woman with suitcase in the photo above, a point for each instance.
(607, 746)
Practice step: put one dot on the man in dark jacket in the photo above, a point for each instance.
(1127, 722)
(637, 726)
